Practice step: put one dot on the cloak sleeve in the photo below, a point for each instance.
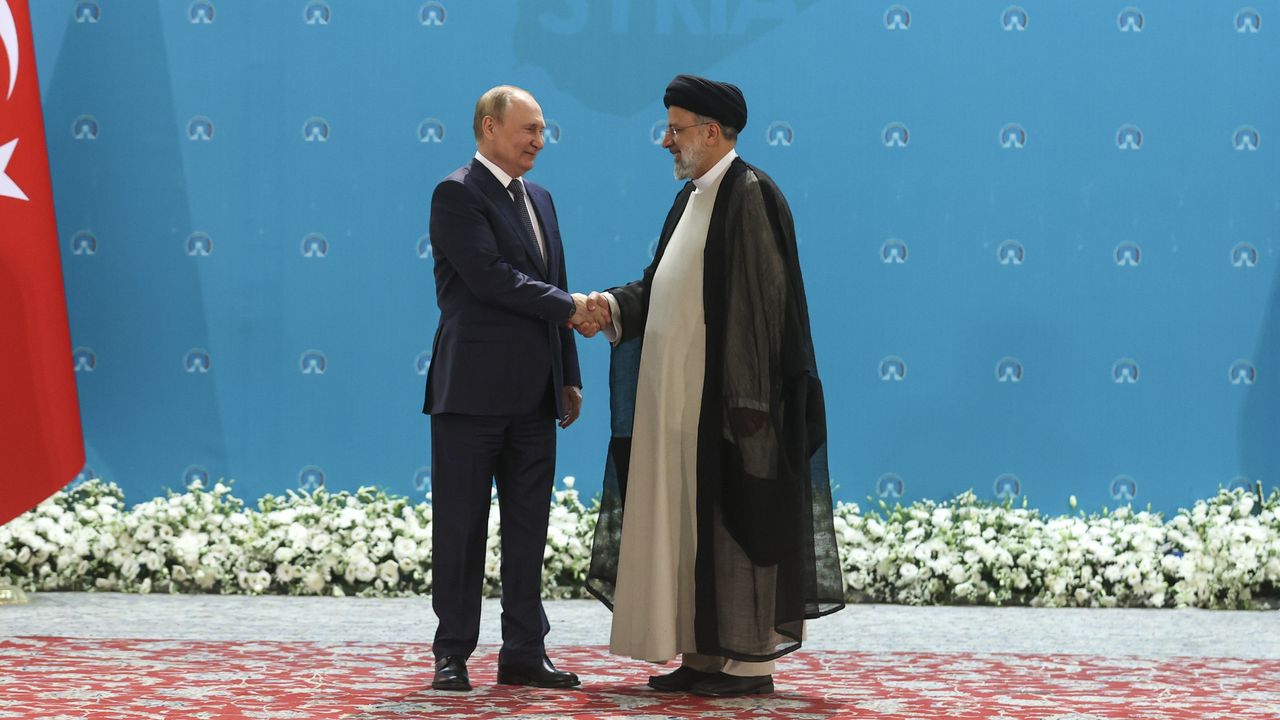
(776, 562)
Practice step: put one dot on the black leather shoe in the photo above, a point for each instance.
(722, 685)
(543, 675)
(451, 674)
(679, 680)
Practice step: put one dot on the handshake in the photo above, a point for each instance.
(591, 314)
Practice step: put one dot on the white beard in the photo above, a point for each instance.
(687, 163)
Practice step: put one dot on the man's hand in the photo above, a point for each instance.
(572, 405)
(591, 313)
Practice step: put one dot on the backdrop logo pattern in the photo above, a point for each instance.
(317, 13)
(1242, 372)
(1009, 370)
(422, 480)
(85, 127)
(1240, 482)
(84, 243)
(1244, 255)
(1248, 21)
(1128, 254)
(313, 362)
(199, 244)
(1014, 18)
(197, 361)
(201, 12)
(432, 14)
(430, 130)
(87, 11)
(1011, 252)
(1007, 486)
(893, 369)
(314, 245)
(551, 133)
(84, 360)
(1124, 488)
(200, 128)
(1130, 19)
(1129, 137)
(780, 133)
(86, 474)
(1245, 138)
(890, 485)
(658, 131)
(422, 363)
(897, 17)
(893, 252)
(653, 247)
(1124, 371)
(193, 474)
(310, 478)
(1098, 219)
(315, 129)
(1013, 137)
(895, 135)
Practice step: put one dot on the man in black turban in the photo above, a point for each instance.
(718, 445)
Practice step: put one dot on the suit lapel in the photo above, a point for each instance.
(507, 208)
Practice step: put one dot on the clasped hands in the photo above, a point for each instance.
(591, 313)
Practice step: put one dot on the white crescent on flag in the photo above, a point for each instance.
(9, 37)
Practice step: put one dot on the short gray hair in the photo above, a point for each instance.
(729, 133)
(494, 103)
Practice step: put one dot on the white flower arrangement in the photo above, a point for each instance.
(1222, 553)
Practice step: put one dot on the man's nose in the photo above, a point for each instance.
(539, 140)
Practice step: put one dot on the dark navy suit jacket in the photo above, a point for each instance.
(502, 337)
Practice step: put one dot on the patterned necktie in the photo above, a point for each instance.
(517, 191)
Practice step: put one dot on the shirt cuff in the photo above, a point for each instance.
(613, 331)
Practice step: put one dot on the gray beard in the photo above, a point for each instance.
(687, 163)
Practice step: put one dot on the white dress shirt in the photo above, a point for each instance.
(506, 179)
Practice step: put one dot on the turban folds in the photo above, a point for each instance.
(720, 101)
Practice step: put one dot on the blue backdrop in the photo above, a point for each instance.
(1040, 241)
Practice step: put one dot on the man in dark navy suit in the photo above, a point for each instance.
(504, 367)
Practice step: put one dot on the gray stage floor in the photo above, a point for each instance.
(871, 628)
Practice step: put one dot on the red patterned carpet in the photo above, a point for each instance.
(74, 678)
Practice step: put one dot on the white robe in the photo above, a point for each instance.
(654, 601)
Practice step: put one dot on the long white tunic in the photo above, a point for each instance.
(654, 601)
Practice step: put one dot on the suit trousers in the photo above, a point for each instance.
(468, 453)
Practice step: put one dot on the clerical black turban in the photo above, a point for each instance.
(717, 100)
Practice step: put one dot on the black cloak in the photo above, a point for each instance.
(762, 460)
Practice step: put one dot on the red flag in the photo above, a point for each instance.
(41, 448)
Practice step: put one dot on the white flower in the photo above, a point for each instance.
(405, 548)
(314, 580)
(287, 573)
(908, 572)
(319, 542)
(204, 578)
(389, 573)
